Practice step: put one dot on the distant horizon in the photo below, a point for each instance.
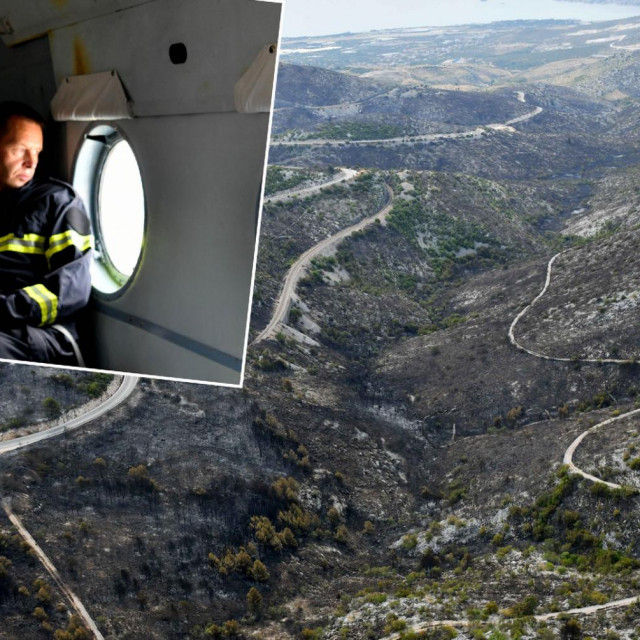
(308, 18)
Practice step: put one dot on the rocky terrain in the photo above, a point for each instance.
(393, 466)
(33, 395)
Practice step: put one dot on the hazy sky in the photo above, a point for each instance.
(322, 17)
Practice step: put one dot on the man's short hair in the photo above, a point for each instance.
(12, 108)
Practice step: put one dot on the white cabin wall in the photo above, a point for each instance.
(201, 164)
(222, 38)
(202, 178)
(26, 74)
(32, 18)
(138, 351)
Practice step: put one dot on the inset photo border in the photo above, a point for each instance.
(160, 143)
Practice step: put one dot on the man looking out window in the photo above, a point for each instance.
(45, 248)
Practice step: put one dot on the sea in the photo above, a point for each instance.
(326, 17)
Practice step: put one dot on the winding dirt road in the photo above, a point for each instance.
(568, 455)
(121, 394)
(542, 617)
(537, 354)
(298, 268)
(567, 460)
(296, 271)
(343, 175)
(53, 572)
(426, 137)
(124, 391)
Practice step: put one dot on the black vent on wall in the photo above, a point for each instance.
(178, 53)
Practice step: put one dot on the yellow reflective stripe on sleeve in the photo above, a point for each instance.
(66, 239)
(47, 301)
(29, 243)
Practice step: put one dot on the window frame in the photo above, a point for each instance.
(97, 143)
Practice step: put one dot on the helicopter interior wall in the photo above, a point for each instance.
(220, 38)
(201, 164)
(26, 75)
(31, 19)
(202, 176)
(155, 352)
(185, 312)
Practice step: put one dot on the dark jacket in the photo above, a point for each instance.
(45, 255)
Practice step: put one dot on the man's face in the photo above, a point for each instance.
(19, 149)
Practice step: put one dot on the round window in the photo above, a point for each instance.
(108, 179)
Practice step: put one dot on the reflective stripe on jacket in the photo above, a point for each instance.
(45, 254)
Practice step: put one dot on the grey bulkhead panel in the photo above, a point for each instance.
(201, 164)
(25, 20)
(26, 74)
(195, 274)
(222, 38)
